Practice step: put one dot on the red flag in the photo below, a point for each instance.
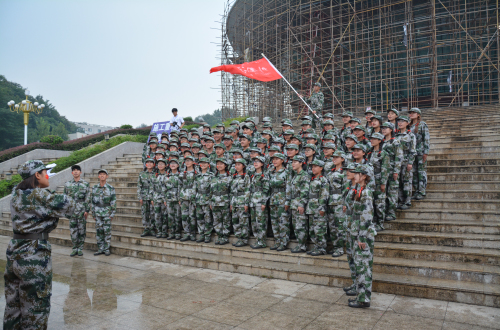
(259, 70)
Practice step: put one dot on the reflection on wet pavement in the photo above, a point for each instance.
(128, 293)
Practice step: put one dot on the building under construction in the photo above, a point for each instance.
(379, 54)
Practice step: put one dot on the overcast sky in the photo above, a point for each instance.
(114, 62)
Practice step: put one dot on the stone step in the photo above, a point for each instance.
(462, 144)
(467, 156)
(446, 150)
(304, 269)
(457, 204)
(464, 169)
(466, 138)
(439, 214)
(443, 226)
(479, 177)
(462, 194)
(463, 162)
(461, 185)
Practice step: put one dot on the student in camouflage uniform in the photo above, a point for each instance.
(297, 195)
(172, 187)
(35, 212)
(203, 214)
(393, 148)
(220, 200)
(316, 102)
(336, 216)
(348, 192)
(240, 201)
(316, 208)
(278, 178)
(346, 129)
(380, 161)
(145, 195)
(158, 202)
(392, 117)
(407, 140)
(259, 195)
(103, 208)
(79, 190)
(363, 233)
(187, 196)
(421, 132)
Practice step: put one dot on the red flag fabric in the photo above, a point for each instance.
(260, 70)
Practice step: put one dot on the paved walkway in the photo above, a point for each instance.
(129, 293)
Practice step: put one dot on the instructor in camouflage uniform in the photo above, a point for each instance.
(35, 212)
(103, 207)
(79, 190)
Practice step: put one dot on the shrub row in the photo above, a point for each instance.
(7, 185)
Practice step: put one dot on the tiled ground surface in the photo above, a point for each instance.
(128, 293)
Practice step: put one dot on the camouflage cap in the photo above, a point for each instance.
(241, 160)
(189, 158)
(162, 160)
(262, 140)
(306, 117)
(306, 122)
(370, 111)
(279, 155)
(192, 139)
(228, 137)
(183, 136)
(329, 115)
(387, 125)
(203, 152)
(268, 132)
(163, 134)
(338, 153)
(350, 167)
(174, 143)
(267, 125)
(377, 136)
(209, 138)
(30, 167)
(289, 132)
(311, 146)
(312, 136)
(292, 146)
(204, 160)
(310, 130)
(183, 130)
(329, 145)
(103, 171)
(185, 145)
(246, 136)
(235, 122)
(196, 145)
(317, 84)
(359, 146)
(256, 150)
(206, 125)
(252, 120)
(152, 160)
(267, 119)
(230, 129)
(360, 169)
(173, 160)
(260, 159)
(287, 122)
(274, 148)
(160, 152)
(248, 125)
(162, 146)
(395, 111)
(279, 140)
(220, 145)
(152, 134)
(405, 118)
(360, 127)
(299, 158)
(216, 130)
(328, 122)
(379, 118)
(329, 136)
(222, 160)
(153, 141)
(174, 154)
(417, 110)
(297, 137)
(352, 136)
(187, 150)
(317, 162)
(347, 114)
(355, 119)
(219, 125)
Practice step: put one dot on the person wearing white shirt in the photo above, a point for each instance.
(176, 122)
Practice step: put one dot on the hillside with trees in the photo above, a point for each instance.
(49, 122)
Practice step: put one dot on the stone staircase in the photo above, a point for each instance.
(7, 174)
(445, 247)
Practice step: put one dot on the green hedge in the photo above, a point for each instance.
(80, 155)
(52, 139)
(7, 185)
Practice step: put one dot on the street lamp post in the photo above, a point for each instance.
(26, 107)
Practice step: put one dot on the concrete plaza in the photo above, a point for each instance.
(128, 293)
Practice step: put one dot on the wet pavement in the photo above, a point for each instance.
(128, 293)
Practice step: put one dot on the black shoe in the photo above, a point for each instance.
(107, 253)
(257, 246)
(309, 252)
(352, 293)
(241, 244)
(352, 299)
(399, 207)
(390, 218)
(224, 242)
(281, 248)
(338, 254)
(185, 238)
(158, 235)
(193, 238)
(359, 304)
(419, 197)
(217, 242)
(177, 237)
(201, 239)
(274, 247)
(316, 253)
(98, 253)
(297, 249)
(348, 288)
(145, 233)
(207, 240)
(405, 207)
(234, 244)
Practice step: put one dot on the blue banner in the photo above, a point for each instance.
(159, 128)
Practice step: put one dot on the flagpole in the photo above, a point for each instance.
(291, 87)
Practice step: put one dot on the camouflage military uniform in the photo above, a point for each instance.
(318, 201)
(103, 209)
(80, 192)
(28, 271)
(145, 193)
(279, 217)
(172, 187)
(316, 102)
(187, 195)
(336, 216)
(297, 195)
(220, 200)
(419, 166)
(160, 208)
(407, 141)
(348, 195)
(259, 195)
(381, 169)
(395, 152)
(240, 197)
(202, 202)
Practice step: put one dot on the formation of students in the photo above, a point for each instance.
(340, 185)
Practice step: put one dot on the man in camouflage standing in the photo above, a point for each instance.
(316, 102)
(103, 207)
(145, 195)
(79, 190)
(316, 208)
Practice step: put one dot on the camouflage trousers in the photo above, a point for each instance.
(204, 220)
(405, 179)
(280, 224)
(259, 224)
(161, 218)
(188, 218)
(174, 218)
(78, 231)
(349, 249)
(299, 223)
(222, 221)
(147, 215)
(336, 225)
(419, 175)
(103, 233)
(240, 223)
(28, 287)
(317, 231)
(392, 190)
(363, 259)
(379, 206)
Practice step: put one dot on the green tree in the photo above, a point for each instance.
(60, 131)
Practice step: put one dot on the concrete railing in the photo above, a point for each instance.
(96, 162)
(34, 154)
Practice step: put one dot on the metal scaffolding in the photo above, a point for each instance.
(379, 54)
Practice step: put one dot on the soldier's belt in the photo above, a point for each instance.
(314, 195)
(40, 236)
(275, 190)
(103, 204)
(220, 193)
